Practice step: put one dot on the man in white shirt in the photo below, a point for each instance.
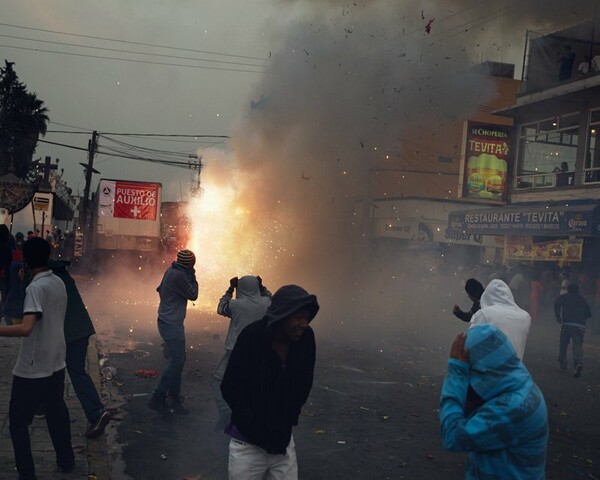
(39, 372)
(498, 308)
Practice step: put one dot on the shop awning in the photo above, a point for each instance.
(582, 220)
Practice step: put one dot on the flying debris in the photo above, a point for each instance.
(304, 177)
(428, 26)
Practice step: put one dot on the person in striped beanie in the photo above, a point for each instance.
(491, 408)
(178, 285)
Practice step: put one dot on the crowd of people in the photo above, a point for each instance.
(490, 406)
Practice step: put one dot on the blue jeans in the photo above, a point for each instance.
(82, 383)
(174, 338)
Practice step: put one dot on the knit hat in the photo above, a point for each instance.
(186, 258)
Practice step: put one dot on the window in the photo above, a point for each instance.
(548, 151)
(592, 159)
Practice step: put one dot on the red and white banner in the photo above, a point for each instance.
(133, 200)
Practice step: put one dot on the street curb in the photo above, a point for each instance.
(97, 452)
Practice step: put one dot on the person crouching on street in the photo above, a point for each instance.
(177, 287)
(267, 381)
(491, 408)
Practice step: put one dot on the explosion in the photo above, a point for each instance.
(228, 239)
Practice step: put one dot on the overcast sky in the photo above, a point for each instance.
(279, 42)
(117, 96)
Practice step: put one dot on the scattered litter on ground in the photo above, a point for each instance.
(163, 456)
(140, 372)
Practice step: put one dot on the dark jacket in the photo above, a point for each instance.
(264, 395)
(13, 307)
(78, 323)
(466, 316)
(178, 285)
(572, 309)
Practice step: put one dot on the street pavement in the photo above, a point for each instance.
(372, 413)
(91, 456)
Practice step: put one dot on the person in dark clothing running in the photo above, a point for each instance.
(78, 330)
(572, 311)
(177, 287)
(267, 381)
(474, 290)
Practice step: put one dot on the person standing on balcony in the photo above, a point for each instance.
(565, 61)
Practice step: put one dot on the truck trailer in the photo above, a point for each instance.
(127, 217)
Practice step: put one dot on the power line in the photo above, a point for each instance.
(63, 145)
(72, 54)
(168, 47)
(173, 163)
(162, 135)
(132, 51)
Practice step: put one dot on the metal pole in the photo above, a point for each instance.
(92, 146)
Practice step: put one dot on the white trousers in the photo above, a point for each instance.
(249, 462)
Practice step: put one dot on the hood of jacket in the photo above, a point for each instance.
(495, 367)
(248, 288)
(288, 300)
(498, 293)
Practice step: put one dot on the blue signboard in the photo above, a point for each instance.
(577, 220)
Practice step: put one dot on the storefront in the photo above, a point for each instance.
(535, 233)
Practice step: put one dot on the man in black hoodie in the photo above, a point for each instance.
(267, 381)
(78, 330)
(572, 311)
(474, 290)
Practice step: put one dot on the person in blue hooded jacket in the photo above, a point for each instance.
(491, 408)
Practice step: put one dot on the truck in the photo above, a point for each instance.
(126, 217)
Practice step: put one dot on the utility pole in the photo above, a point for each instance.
(92, 147)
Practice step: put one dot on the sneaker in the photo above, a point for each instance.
(578, 370)
(178, 407)
(97, 428)
(159, 405)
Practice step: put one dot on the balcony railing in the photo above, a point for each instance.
(545, 180)
(591, 175)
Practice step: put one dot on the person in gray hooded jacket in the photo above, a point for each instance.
(251, 303)
(267, 381)
(177, 287)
